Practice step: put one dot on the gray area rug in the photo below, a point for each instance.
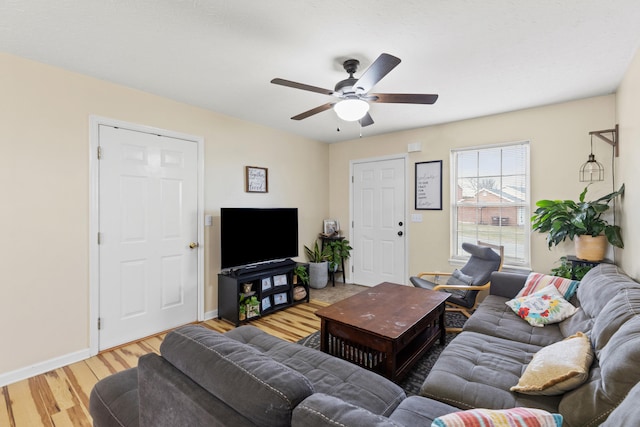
(414, 379)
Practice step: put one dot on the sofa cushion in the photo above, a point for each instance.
(499, 418)
(319, 410)
(557, 368)
(538, 281)
(168, 398)
(493, 317)
(628, 412)
(610, 379)
(599, 286)
(624, 306)
(322, 410)
(327, 374)
(477, 370)
(229, 369)
(542, 307)
(114, 400)
(420, 411)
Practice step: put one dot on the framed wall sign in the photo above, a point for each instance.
(429, 185)
(256, 179)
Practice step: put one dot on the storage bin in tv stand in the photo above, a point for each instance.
(271, 283)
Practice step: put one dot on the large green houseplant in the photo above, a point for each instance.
(562, 219)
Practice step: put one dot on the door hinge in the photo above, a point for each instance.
(99, 152)
(99, 323)
(99, 237)
(352, 180)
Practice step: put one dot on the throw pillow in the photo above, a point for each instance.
(519, 417)
(543, 307)
(458, 278)
(539, 281)
(558, 367)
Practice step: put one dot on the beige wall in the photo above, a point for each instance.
(628, 110)
(44, 173)
(559, 136)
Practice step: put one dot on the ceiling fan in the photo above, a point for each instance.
(353, 93)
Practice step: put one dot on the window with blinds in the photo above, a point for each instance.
(490, 199)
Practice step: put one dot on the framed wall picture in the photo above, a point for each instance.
(280, 280)
(256, 179)
(266, 284)
(280, 298)
(266, 303)
(429, 185)
(330, 227)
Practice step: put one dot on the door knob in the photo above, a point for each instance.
(194, 245)
(399, 233)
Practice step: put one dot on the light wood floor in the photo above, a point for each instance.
(61, 397)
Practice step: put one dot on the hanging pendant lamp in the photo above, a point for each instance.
(592, 170)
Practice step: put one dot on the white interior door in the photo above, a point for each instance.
(148, 273)
(379, 189)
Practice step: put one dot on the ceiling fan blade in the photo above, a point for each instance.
(402, 98)
(302, 86)
(366, 120)
(313, 111)
(380, 68)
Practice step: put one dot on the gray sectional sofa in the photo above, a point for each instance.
(247, 377)
(480, 365)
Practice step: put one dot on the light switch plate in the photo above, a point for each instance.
(416, 217)
(208, 220)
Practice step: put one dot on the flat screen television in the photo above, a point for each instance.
(254, 235)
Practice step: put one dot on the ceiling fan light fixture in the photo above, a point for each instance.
(351, 109)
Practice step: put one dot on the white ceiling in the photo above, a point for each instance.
(481, 57)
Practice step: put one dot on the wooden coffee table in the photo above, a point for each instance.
(385, 329)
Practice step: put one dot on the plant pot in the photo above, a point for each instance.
(590, 248)
(318, 274)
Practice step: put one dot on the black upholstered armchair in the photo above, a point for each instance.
(464, 284)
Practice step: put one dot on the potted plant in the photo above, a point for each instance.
(339, 250)
(579, 221)
(302, 274)
(318, 265)
(568, 271)
(249, 306)
(301, 280)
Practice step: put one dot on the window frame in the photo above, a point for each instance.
(526, 215)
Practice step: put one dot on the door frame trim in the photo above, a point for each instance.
(404, 157)
(94, 196)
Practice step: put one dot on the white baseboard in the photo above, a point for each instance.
(42, 367)
(58, 362)
(210, 314)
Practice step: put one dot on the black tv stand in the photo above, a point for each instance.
(271, 284)
(252, 268)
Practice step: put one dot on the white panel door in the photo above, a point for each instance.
(379, 222)
(147, 220)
